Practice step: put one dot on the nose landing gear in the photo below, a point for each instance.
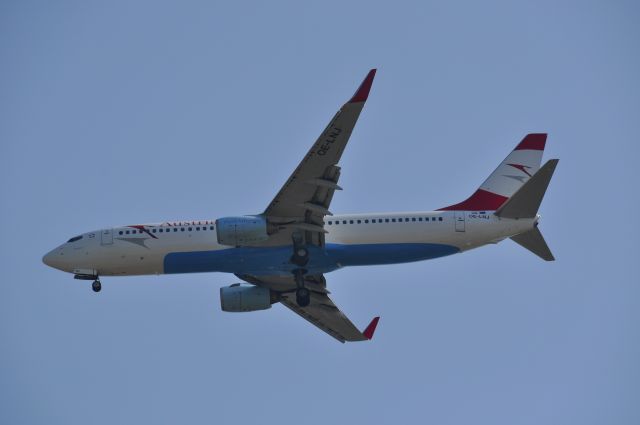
(96, 286)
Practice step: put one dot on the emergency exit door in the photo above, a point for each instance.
(459, 220)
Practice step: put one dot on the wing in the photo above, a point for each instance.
(321, 312)
(304, 199)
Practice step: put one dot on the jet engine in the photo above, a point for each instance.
(241, 298)
(241, 231)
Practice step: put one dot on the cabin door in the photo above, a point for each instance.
(107, 237)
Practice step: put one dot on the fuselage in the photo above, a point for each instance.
(351, 240)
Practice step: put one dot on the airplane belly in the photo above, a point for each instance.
(387, 253)
(247, 260)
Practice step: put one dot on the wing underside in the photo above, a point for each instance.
(296, 217)
(321, 311)
(304, 199)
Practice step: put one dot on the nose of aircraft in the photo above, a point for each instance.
(48, 259)
(54, 258)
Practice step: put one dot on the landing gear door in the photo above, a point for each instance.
(107, 237)
(459, 220)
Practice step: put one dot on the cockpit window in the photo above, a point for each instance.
(76, 238)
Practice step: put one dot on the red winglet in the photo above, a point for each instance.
(362, 93)
(533, 141)
(368, 332)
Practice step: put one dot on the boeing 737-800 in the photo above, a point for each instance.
(283, 253)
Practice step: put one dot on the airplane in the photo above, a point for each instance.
(283, 253)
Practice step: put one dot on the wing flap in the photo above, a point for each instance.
(324, 314)
(315, 179)
(321, 311)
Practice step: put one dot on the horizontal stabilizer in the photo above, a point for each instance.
(526, 201)
(534, 242)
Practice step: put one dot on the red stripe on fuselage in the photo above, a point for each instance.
(481, 200)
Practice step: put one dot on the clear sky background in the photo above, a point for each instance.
(127, 112)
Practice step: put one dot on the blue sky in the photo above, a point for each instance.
(127, 112)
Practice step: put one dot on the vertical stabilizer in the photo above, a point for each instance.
(516, 169)
(526, 201)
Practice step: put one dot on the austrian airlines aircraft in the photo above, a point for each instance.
(284, 252)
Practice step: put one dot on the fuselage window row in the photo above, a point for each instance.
(161, 230)
(385, 220)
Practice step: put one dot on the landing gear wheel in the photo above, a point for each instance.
(96, 286)
(300, 256)
(303, 297)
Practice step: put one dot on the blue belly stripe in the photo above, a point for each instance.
(387, 253)
(275, 260)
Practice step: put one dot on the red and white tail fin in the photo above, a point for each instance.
(518, 167)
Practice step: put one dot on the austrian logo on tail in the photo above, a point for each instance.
(522, 168)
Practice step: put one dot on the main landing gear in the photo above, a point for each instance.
(303, 295)
(300, 258)
(300, 255)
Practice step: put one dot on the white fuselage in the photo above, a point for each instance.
(352, 239)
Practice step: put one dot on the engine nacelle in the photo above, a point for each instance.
(240, 298)
(241, 231)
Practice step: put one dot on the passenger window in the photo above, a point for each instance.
(350, 221)
(120, 232)
(190, 228)
(210, 227)
(182, 229)
(154, 230)
(359, 222)
(413, 219)
(386, 220)
(366, 221)
(393, 220)
(344, 221)
(198, 229)
(439, 218)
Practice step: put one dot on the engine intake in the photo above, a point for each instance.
(241, 231)
(241, 298)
